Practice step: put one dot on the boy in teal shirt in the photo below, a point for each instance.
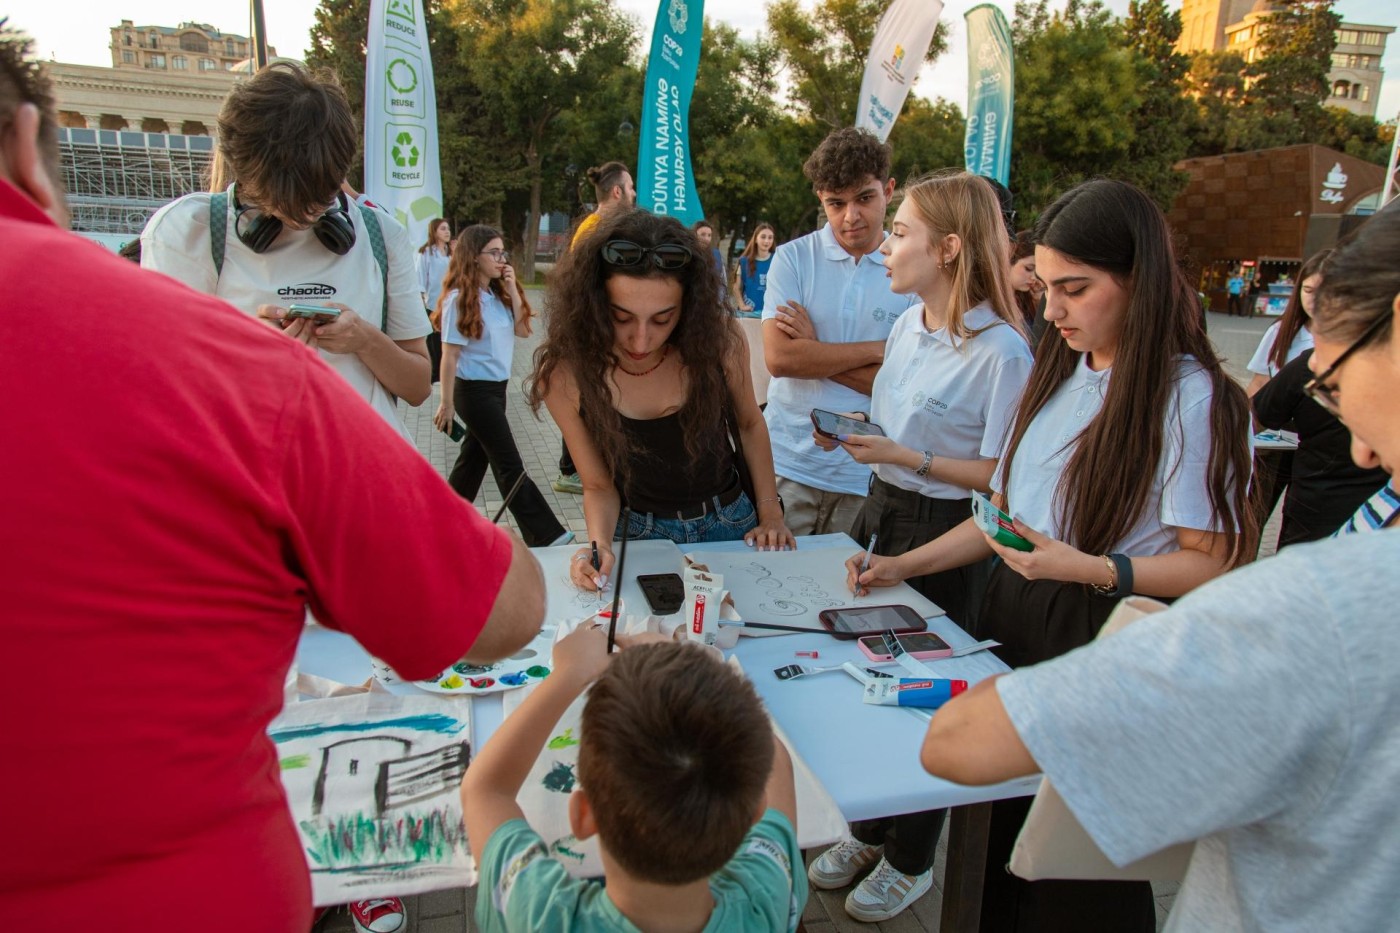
(682, 780)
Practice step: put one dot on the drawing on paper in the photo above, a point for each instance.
(789, 595)
(373, 787)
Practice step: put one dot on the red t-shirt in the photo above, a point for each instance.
(177, 483)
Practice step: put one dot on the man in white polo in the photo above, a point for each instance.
(825, 322)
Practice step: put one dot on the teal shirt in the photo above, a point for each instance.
(522, 888)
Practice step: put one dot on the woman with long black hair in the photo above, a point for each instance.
(1127, 468)
(483, 309)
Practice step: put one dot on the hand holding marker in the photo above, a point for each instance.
(865, 564)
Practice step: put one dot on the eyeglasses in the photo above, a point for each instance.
(1318, 389)
(500, 255)
(625, 253)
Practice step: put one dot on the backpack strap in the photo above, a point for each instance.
(218, 229)
(381, 258)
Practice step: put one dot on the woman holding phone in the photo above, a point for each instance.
(954, 368)
(1127, 468)
(647, 376)
(483, 309)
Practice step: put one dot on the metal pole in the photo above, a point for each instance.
(259, 36)
(1390, 169)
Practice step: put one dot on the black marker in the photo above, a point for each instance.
(597, 565)
(509, 496)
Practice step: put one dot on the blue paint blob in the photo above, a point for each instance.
(514, 679)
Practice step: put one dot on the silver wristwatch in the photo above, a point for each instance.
(923, 467)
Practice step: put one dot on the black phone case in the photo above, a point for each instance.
(827, 617)
(664, 592)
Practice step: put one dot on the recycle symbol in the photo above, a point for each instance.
(402, 76)
(404, 153)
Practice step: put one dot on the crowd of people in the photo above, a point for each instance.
(250, 464)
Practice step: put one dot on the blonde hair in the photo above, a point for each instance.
(962, 204)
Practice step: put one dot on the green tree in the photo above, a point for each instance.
(1216, 84)
(1288, 80)
(825, 51)
(1357, 135)
(1162, 122)
(535, 61)
(927, 137)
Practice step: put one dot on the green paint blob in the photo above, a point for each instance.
(537, 671)
(560, 779)
(563, 740)
(292, 762)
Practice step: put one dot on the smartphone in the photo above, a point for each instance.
(318, 313)
(664, 592)
(856, 621)
(921, 645)
(997, 524)
(830, 424)
(457, 430)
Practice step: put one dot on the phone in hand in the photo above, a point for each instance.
(317, 313)
(921, 645)
(829, 424)
(664, 592)
(996, 524)
(456, 430)
(855, 621)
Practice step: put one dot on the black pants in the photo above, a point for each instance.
(1036, 620)
(435, 353)
(566, 460)
(1235, 304)
(482, 407)
(905, 520)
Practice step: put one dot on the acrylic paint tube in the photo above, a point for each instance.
(925, 692)
(704, 593)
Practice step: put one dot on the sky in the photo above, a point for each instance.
(76, 31)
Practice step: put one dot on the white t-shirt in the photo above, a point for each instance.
(848, 302)
(488, 357)
(955, 398)
(1257, 715)
(1260, 364)
(1179, 497)
(296, 268)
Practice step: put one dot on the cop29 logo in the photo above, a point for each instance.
(679, 15)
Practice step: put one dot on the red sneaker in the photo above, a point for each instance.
(380, 915)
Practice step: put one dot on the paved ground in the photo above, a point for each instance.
(538, 440)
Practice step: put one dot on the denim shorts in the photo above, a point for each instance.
(729, 523)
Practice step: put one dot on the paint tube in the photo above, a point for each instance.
(703, 594)
(925, 692)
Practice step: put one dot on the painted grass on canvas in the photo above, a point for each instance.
(404, 840)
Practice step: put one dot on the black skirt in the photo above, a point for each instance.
(1036, 620)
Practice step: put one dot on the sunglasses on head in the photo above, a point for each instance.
(625, 253)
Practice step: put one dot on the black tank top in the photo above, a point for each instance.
(662, 477)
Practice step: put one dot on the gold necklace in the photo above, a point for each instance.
(664, 352)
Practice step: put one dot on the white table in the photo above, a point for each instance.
(866, 756)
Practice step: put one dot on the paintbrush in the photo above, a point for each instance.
(775, 627)
(509, 496)
(618, 578)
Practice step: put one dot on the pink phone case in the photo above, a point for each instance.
(881, 656)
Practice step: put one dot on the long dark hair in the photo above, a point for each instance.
(1026, 303)
(432, 237)
(1360, 282)
(461, 277)
(1114, 227)
(580, 337)
(1294, 317)
(750, 253)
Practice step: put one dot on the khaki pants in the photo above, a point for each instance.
(811, 511)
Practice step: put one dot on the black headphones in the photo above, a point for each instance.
(334, 228)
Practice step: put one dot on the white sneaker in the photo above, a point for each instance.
(885, 892)
(566, 538)
(839, 865)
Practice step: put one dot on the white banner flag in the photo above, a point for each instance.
(401, 137)
(901, 42)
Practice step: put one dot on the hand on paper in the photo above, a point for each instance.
(884, 571)
(868, 448)
(346, 334)
(582, 574)
(794, 321)
(1051, 559)
(771, 535)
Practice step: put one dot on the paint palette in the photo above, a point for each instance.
(530, 664)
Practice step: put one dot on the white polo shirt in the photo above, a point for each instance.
(488, 357)
(297, 268)
(849, 301)
(1261, 365)
(1179, 497)
(956, 398)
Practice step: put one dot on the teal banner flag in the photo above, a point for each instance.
(665, 184)
(991, 80)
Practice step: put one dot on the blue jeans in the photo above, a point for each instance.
(727, 523)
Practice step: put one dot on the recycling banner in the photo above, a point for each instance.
(991, 79)
(401, 137)
(665, 184)
(901, 41)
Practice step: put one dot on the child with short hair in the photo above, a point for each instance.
(681, 778)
